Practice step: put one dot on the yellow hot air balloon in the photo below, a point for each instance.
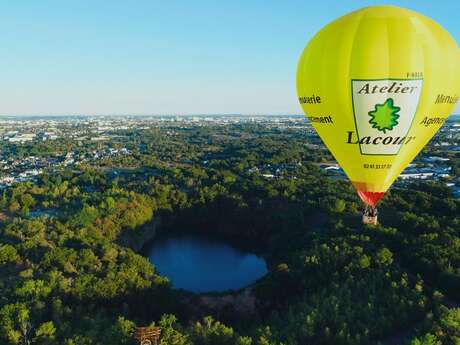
(377, 84)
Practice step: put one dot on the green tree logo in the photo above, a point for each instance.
(385, 116)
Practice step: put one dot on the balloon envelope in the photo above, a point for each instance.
(376, 85)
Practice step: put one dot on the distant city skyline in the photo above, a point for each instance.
(177, 57)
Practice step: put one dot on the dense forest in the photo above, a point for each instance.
(68, 274)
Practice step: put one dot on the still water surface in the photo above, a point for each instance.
(200, 264)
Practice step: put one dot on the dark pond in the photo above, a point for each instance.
(200, 264)
(51, 213)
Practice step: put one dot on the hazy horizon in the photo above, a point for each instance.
(165, 115)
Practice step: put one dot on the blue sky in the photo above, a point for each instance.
(162, 57)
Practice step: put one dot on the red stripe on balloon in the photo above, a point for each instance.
(370, 198)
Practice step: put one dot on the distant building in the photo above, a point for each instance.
(22, 138)
(420, 175)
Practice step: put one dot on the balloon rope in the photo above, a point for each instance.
(370, 211)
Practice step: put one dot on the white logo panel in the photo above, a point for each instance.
(384, 111)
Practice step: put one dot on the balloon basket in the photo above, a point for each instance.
(369, 220)
(370, 215)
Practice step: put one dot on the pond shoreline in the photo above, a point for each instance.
(138, 238)
(243, 301)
